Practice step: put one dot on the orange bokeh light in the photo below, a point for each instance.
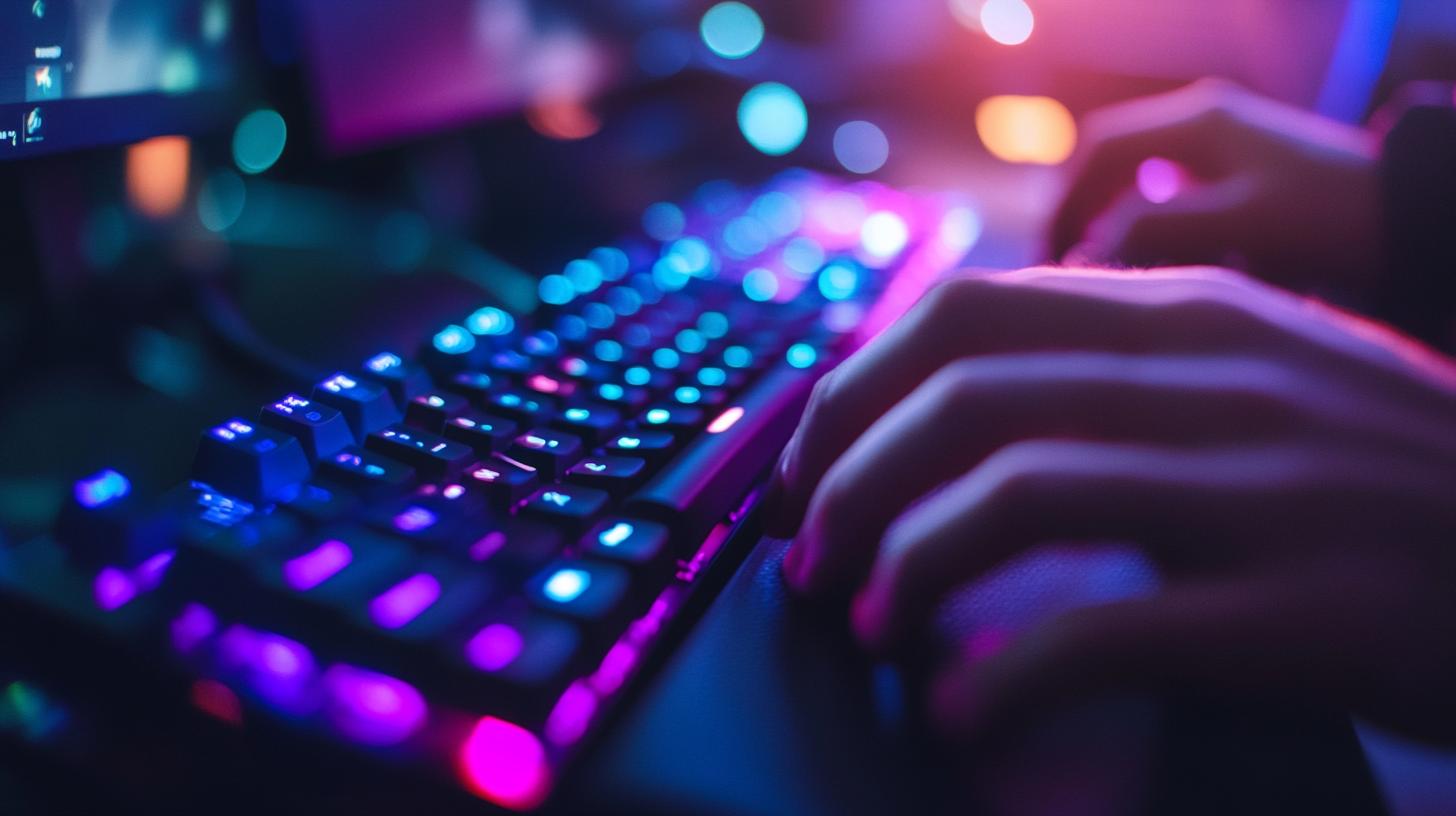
(562, 118)
(156, 175)
(1026, 129)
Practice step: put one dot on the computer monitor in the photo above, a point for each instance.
(77, 73)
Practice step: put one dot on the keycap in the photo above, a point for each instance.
(709, 479)
(568, 505)
(502, 480)
(652, 445)
(549, 451)
(320, 429)
(244, 459)
(103, 523)
(523, 406)
(320, 504)
(432, 515)
(402, 378)
(634, 542)
(515, 549)
(431, 410)
(592, 423)
(431, 599)
(484, 433)
(596, 594)
(473, 385)
(435, 457)
(371, 474)
(671, 417)
(626, 398)
(550, 386)
(520, 658)
(367, 406)
(616, 475)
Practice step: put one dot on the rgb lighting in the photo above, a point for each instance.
(861, 147)
(773, 118)
(258, 140)
(103, 488)
(505, 764)
(732, 30)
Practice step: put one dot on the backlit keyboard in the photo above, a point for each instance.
(455, 560)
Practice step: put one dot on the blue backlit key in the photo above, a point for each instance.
(593, 423)
(650, 444)
(319, 428)
(592, 592)
(433, 456)
(671, 417)
(523, 406)
(636, 543)
(483, 432)
(403, 379)
(367, 406)
(243, 459)
(616, 475)
(320, 504)
(502, 479)
(369, 473)
(431, 410)
(568, 505)
(549, 451)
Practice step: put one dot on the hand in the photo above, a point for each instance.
(1290, 468)
(1292, 196)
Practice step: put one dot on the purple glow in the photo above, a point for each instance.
(494, 647)
(113, 589)
(317, 565)
(102, 488)
(1159, 180)
(195, 624)
(405, 601)
(615, 668)
(506, 764)
(569, 719)
(148, 575)
(280, 671)
(372, 708)
(281, 657)
(488, 545)
(413, 519)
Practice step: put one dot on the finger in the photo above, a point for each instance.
(1188, 126)
(1178, 505)
(1227, 635)
(973, 407)
(1201, 226)
(1008, 312)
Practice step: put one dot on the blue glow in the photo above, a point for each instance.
(737, 357)
(616, 534)
(801, 355)
(838, 281)
(490, 321)
(566, 585)
(778, 211)
(861, 147)
(745, 237)
(670, 273)
(691, 341)
(577, 414)
(664, 221)
(712, 376)
(258, 140)
(666, 358)
(732, 30)
(687, 395)
(628, 442)
(613, 262)
(571, 327)
(697, 257)
(556, 290)
(637, 375)
(598, 315)
(608, 351)
(803, 256)
(773, 118)
(713, 325)
(658, 416)
(541, 343)
(221, 200)
(637, 336)
(760, 285)
(382, 362)
(611, 391)
(454, 340)
(624, 300)
(102, 488)
(585, 276)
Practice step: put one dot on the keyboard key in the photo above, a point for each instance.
(616, 475)
(547, 450)
(103, 523)
(431, 410)
(429, 601)
(671, 417)
(319, 505)
(403, 379)
(484, 433)
(370, 473)
(525, 659)
(517, 549)
(652, 445)
(567, 505)
(633, 542)
(523, 406)
(435, 457)
(367, 406)
(255, 463)
(550, 386)
(431, 515)
(320, 429)
(593, 423)
(311, 587)
(502, 480)
(596, 594)
(627, 398)
(473, 385)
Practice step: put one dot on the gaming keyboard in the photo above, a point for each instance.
(456, 561)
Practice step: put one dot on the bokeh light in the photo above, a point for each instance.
(258, 140)
(773, 118)
(1159, 180)
(221, 199)
(156, 175)
(884, 234)
(732, 30)
(1026, 129)
(861, 147)
(760, 284)
(663, 221)
(1008, 22)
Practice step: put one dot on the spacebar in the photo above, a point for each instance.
(706, 481)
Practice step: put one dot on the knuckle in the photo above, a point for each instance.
(950, 299)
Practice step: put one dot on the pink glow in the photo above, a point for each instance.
(372, 708)
(726, 420)
(494, 647)
(113, 589)
(317, 565)
(549, 385)
(405, 601)
(505, 764)
(616, 667)
(569, 719)
(148, 575)
(1159, 180)
(487, 546)
(195, 624)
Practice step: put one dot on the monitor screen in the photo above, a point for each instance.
(75, 73)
